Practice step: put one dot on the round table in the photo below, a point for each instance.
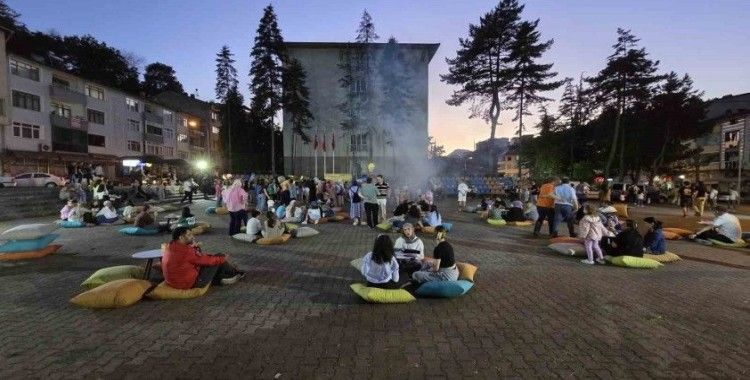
(149, 255)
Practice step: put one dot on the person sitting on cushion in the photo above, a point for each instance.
(107, 214)
(608, 214)
(627, 243)
(187, 219)
(725, 228)
(530, 212)
(409, 249)
(414, 217)
(254, 226)
(185, 267)
(495, 212)
(654, 239)
(443, 265)
(313, 214)
(273, 228)
(326, 207)
(380, 266)
(68, 209)
(145, 220)
(433, 218)
(129, 212)
(515, 213)
(78, 213)
(403, 208)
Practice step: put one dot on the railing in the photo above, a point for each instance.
(156, 139)
(76, 122)
(153, 118)
(66, 94)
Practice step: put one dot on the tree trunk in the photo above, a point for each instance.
(273, 149)
(660, 158)
(622, 153)
(613, 147)
(230, 164)
(520, 133)
(494, 116)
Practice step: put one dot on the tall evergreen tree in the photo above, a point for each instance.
(226, 74)
(481, 68)
(529, 77)
(266, 71)
(160, 77)
(547, 122)
(231, 109)
(626, 82)
(235, 133)
(297, 103)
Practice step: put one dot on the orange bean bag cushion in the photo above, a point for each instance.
(430, 230)
(275, 241)
(565, 239)
(680, 231)
(671, 235)
(622, 209)
(342, 215)
(46, 251)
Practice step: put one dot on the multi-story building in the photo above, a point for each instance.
(55, 119)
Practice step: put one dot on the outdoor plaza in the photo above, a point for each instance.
(531, 313)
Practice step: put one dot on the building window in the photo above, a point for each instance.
(134, 125)
(359, 143)
(215, 130)
(153, 130)
(96, 140)
(168, 151)
(94, 92)
(214, 116)
(182, 137)
(185, 122)
(132, 104)
(168, 117)
(26, 101)
(61, 109)
(358, 86)
(57, 81)
(96, 117)
(26, 131)
(154, 149)
(168, 134)
(134, 146)
(183, 155)
(731, 149)
(24, 70)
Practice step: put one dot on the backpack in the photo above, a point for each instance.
(355, 194)
(271, 189)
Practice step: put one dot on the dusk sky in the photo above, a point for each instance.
(707, 39)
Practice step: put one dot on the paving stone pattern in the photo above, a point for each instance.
(531, 313)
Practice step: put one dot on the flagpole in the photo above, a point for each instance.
(315, 152)
(333, 151)
(324, 155)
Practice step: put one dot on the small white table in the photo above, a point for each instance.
(149, 255)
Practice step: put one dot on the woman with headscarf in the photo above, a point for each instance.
(235, 199)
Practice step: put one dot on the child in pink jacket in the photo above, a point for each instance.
(591, 230)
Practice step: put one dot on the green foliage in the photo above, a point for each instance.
(158, 78)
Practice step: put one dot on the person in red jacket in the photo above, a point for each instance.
(185, 267)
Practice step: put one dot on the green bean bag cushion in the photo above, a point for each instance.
(377, 295)
(447, 226)
(571, 249)
(166, 292)
(24, 245)
(666, 257)
(739, 244)
(444, 289)
(466, 271)
(497, 222)
(109, 274)
(133, 231)
(635, 262)
(679, 231)
(71, 224)
(28, 231)
(291, 226)
(211, 210)
(385, 226)
(303, 232)
(114, 294)
(521, 223)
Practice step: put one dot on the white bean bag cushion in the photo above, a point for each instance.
(570, 249)
(28, 231)
(302, 232)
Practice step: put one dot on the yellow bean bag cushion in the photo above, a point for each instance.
(166, 292)
(622, 209)
(466, 271)
(200, 228)
(275, 241)
(118, 293)
(46, 251)
(635, 262)
(666, 257)
(680, 231)
(497, 222)
(109, 274)
(430, 230)
(385, 226)
(522, 223)
(222, 211)
(566, 239)
(377, 295)
(290, 227)
(739, 244)
(669, 235)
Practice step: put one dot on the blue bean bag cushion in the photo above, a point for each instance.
(139, 231)
(71, 224)
(444, 289)
(211, 210)
(447, 226)
(281, 212)
(28, 244)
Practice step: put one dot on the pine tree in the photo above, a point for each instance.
(9, 17)
(297, 103)
(235, 133)
(480, 67)
(547, 122)
(226, 74)
(529, 78)
(366, 32)
(626, 82)
(267, 58)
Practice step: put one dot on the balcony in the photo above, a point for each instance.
(65, 94)
(76, 122)
(198, 142)
(153, 118)
(154, 139)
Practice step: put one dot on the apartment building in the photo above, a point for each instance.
(55, 118)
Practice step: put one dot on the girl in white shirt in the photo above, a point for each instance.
(107, 214)
(254, 227)
(380, 267)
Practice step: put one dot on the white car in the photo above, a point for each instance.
(6, 181)
(39, 180)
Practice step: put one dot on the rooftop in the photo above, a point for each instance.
(430, 47)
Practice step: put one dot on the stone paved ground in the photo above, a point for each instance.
(531, 314)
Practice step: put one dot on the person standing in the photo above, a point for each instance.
(685, 193)
(369, 195)
(187, 189)
(355, 203)
(700, 198)
(713, 197)
(565, 205)
(463, 190)
(235, 198)
(545, 205)
(592, 230)
(383, 193)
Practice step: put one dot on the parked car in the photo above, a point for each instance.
(39, 180)
(7, 181)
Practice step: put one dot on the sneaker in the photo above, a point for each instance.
(585, 261)
(232, 280)
(601, 261)
(304, 222)
(356, 222)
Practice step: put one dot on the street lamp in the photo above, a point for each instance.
(201, 165)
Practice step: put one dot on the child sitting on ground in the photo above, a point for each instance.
(591, 229)
(433, 218)
(273, 228)
(654, 240)
(313, 214)
(254, 226)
